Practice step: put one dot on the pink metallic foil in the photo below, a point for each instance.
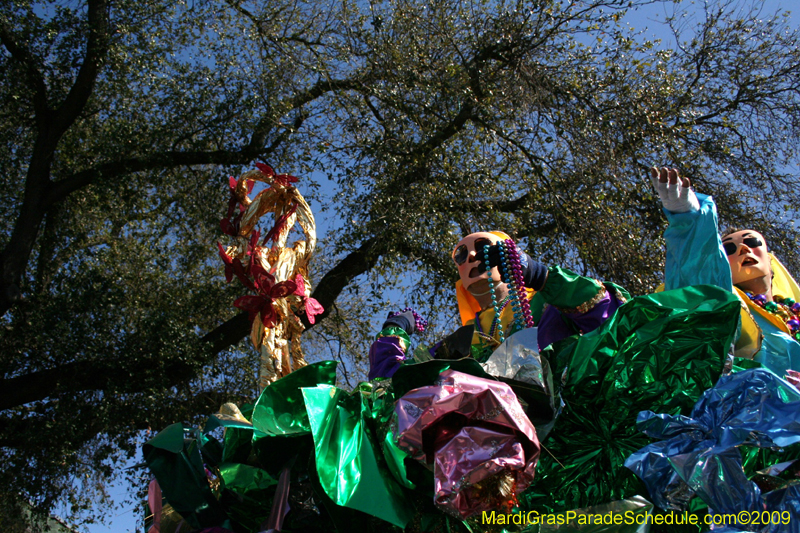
(468, 429)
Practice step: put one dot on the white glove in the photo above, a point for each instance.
(674, 191)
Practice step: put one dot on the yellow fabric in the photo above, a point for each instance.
(500, 234)
(783, 284)
(468, 306)
(487, 317)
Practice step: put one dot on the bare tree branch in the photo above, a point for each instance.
(26, 59)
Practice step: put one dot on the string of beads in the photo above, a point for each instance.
(785, 308)
(510, 268)
(419, 322)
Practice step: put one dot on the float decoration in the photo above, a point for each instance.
(662, 350)
(474, 435)
(276, 273)
(701, 452)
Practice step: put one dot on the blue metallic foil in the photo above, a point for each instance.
(701, 452)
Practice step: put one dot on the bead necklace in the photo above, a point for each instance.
(511, 274)
(503, 304)
(524, 305)
(500, 333)
(785, 308)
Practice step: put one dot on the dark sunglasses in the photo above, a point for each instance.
(462, 252)
(750, 242)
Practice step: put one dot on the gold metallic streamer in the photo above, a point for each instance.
(279, 346)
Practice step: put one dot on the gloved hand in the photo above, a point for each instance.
(534, 273)
(408, 320)
(674, 191)
(494, 257)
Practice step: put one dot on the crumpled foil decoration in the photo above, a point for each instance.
(277, 340)
(518, 358)
(517, 361)
(475, 436)
(659, 352)
(701, 452)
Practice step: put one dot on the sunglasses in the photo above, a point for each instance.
(462, 252)
(750, 242)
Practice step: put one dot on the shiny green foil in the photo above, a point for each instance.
(176, 458)
(657, 352)
(350, 468)
(248, 498)
(280, 411)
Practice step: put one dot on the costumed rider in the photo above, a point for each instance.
(738, 449)
(740, 262)
(560, 303)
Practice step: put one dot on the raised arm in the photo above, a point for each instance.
(388, 351)
(694, 251)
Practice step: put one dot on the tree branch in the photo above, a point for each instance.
(35, 79)
(169, 159)
(266, 123)
(356, 263)
(13, 429)
(96, 48)
(96, 375)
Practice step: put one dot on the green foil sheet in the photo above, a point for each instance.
(175, 457)
(280, 411)
(350, 468)
(248, 495)
(758, 465)
(657, 352)
(395, 460)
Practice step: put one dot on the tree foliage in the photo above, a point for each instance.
(411, 124)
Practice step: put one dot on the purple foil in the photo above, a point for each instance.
(467, 429)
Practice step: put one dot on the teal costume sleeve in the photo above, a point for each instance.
(694, 249)
(779, 352)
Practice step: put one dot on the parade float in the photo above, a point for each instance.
(644, 424)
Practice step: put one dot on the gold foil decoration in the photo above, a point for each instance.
(279, 346)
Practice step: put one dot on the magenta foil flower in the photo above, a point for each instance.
(475, 436)
(284, 180)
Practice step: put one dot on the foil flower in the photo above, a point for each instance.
(284, 180)
(280, 224)
(230, 224)
(702, 453)
(474, 433)
(311, 305)
(268, 290)
(233, 266)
